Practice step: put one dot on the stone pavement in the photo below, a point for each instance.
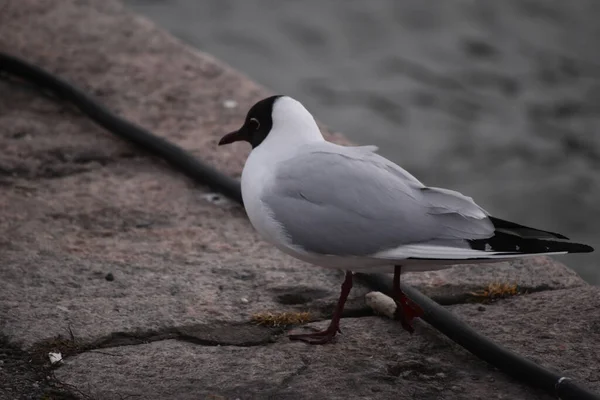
(146, 282)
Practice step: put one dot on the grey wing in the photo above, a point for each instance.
(348, 201)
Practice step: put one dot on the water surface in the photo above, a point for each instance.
(497, 99)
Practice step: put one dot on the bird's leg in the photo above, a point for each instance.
(406, 309)
(328, 334)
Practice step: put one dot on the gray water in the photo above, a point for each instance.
(497, 99)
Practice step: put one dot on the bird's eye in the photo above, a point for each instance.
(254, 123)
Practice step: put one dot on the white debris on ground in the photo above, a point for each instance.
(381, 304)
(54, 357)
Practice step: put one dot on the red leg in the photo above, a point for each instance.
(406, 309)
(334, 327)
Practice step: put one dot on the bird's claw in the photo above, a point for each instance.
(321, 337)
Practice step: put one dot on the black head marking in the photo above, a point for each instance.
(257, 125)
(259, 120)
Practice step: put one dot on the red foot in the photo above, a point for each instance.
(406, 311)
(321, 337)
(328, 334)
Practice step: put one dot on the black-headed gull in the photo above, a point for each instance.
(348, 208)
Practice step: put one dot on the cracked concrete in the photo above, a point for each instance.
(374, 358)
(161, 277)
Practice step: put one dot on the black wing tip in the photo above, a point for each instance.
(584, 248)
(513, 238)
(509, 244)
(501, 224)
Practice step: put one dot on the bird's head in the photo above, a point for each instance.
(279, 118)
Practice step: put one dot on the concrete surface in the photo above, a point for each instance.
(103, 247)
(373, 359)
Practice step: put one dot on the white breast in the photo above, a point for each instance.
(257, 177)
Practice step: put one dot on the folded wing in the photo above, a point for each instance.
(350, 202)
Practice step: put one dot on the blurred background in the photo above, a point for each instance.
(497, 99)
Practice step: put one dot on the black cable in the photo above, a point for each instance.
(438, 317)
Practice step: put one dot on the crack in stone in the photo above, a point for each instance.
(471, 298)
(215, 334)
(76, 164)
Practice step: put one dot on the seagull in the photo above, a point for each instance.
(348, 208)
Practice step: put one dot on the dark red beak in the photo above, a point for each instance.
(234, 136)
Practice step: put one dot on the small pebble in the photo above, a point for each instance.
(244, 300)
(230, 104)
(109, 277)
(481, 308)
